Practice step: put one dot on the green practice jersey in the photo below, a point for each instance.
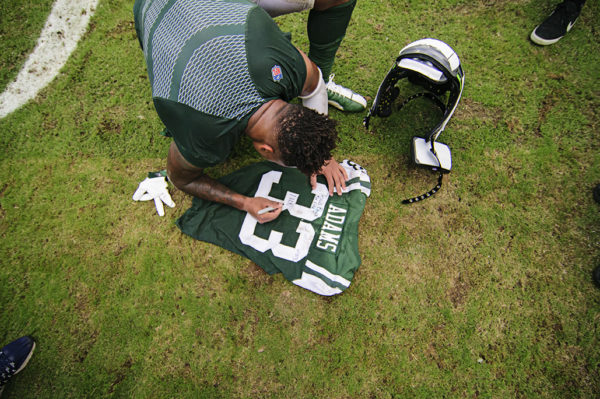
(211, 65)
(313, 242)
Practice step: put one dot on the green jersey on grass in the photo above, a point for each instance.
(313, 242)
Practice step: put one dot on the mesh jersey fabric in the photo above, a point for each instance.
(313, 242)
(211, 65)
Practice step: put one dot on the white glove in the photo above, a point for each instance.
(154, 188)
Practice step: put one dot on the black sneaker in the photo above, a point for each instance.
(596, 193)
(14, 357)
(557, 24)
(596, 276)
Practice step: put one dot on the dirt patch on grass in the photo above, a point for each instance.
(121, 373)
(256, 276)
(110, 123)
(474, 111)
(458, 292)
(493, 5)
(127, 26)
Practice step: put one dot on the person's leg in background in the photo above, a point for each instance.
(14, 357)
(596, 272)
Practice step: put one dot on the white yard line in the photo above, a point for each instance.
(65, 25)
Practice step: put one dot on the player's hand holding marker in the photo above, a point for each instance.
(263, 209)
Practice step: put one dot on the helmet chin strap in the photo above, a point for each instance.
(443, 108)
(427, 194)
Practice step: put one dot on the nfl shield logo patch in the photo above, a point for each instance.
(276, 73)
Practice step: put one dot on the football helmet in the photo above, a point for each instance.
(435, 66)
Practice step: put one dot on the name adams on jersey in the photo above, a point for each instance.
(331, 230)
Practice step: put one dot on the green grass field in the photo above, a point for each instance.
(483, 290)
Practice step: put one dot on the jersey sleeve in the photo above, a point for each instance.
(203, 140)
(276, 66)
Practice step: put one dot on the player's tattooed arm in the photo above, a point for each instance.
(192, 180)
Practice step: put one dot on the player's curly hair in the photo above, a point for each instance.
(306, 138)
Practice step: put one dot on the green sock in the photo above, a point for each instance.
(326, 29)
